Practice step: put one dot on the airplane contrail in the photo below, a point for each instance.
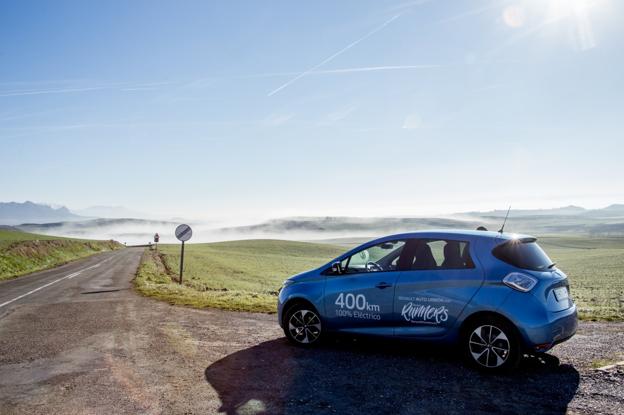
(120, 86)
(50, 91)
(373, 69)
(330, 58)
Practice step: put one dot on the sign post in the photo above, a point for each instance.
(183, 233)
(156, 239)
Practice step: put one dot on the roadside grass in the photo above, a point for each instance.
(246, 275)
(22, 253)
(240, 275)
(601, 363)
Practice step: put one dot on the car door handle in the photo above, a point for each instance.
(383, 285)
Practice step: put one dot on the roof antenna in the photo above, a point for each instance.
(505, 221)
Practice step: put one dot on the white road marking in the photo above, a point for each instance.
(70, 276)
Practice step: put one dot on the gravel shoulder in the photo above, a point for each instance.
(118, 352)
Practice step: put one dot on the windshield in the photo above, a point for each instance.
(523, 254)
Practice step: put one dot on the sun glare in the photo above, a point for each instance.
(537, 14)
(563, 8)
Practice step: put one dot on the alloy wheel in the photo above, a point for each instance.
(304, 326)
(489, 346)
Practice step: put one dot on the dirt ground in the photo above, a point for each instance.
(96, 347)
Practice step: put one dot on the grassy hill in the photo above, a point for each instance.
(245, 275)
(22, 253)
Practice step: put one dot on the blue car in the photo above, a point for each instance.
(497, 295)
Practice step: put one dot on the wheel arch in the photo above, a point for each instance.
(295, 301)
(482, 315)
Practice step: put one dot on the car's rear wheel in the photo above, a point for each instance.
(302, 325)
(491, 344)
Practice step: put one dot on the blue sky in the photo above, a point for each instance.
(247, 109)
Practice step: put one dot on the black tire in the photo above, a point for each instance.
(302, 325)
(491, 344)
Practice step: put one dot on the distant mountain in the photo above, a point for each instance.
(617, 207)
(608, 221)
(13, 213)
(566, 210)
(615, 210)
(108, 212)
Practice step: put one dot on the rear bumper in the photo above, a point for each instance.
(540, 328)
(561, 327)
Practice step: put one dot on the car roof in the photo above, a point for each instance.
(456, 234)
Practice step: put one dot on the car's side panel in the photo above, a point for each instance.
(428, 302)
(360, 303)
(492, 292)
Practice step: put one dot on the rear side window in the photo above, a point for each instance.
(525, 254)
(435, 254)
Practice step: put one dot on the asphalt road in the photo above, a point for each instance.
(78, 340)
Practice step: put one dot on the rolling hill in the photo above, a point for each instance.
(13, 213)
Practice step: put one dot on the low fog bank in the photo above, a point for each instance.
(606, 222)
(339, 230)
(138, 231)
(130, 231)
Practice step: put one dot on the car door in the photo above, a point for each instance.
(360, 299)
(433, 290)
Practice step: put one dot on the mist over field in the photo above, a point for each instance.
(569, 220)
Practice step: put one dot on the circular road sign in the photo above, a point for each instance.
(183, 233)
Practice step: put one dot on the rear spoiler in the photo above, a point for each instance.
(525, 240)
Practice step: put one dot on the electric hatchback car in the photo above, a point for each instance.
(496, 294)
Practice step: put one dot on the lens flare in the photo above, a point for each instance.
(514, 16)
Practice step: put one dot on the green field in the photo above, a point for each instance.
(595, 267)
(245, 275)
(22, 253)
(241, 275)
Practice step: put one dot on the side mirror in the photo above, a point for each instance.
(336, 268)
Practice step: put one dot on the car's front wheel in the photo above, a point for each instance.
(302, 325)
(491, 344)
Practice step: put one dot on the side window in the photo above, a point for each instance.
(377, 258)
(456, 255)
(429, 254)
(437, 250)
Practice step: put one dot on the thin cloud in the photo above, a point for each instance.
(335, 55)
(341, 113)
(412, 122)
(275, 120)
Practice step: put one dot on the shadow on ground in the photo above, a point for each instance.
(368, 376)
